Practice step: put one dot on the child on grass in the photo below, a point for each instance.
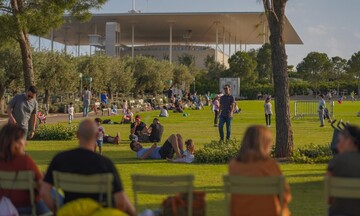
(71, 112)
(101, 134)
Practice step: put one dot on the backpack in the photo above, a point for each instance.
(7, 207)
(178, 205)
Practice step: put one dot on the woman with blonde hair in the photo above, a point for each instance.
(254, 160)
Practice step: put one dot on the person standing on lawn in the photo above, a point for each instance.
(268, 111)
(86, 101)
(226, 111)
(215, 108)
(321, 109)
(22, 109)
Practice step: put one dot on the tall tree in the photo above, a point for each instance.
(354, 67)
(10, 70)
(315, 67)
(243, 65)
(338, 70)
(264, 66)
(275, 13)
(55, 72)
(19, 18)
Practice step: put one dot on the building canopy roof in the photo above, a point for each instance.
(154, 28)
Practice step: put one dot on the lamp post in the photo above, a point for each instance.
(80, 75)
(90, 79)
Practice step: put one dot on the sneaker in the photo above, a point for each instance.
(321, 125)
(215, 125)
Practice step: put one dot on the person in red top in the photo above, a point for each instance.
(254, 160)
(13, 158)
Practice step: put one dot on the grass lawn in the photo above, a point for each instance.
(305, 179)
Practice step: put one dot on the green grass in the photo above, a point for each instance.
(305, 179)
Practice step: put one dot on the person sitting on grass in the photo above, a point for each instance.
(174, 144)
(254, 160)
(164, 112)
(114, 109)
(84, 161)
(127, 117)
(347, 165)
(139, 130)
(12, 159)
(188, 156)
(155, 131)
(100, 137)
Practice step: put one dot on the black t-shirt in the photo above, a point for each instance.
(156, 132)
(138, 128)
(83, 162)
(345, 165)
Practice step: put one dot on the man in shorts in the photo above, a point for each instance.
(174, 144)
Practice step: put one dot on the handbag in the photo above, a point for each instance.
(178, 205)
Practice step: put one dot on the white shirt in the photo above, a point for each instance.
(71, 110)
(322, 105)
(164, 113)
(189, 158)
(268, 108)
(101, 133)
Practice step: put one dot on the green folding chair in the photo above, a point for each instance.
(91, 184)
(149, 184)
(20, 180)
(337, 187)
(253, 186)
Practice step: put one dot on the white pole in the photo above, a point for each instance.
(235, 44)
(170, 48)
(223, 51)
(133, 40)
(229, 44)
(217, 42)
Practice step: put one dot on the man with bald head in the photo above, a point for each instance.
(83, 160)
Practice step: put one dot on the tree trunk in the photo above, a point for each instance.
(25, 46)
(284, 134)
(26, 55)
(46, 96)
(2, 100)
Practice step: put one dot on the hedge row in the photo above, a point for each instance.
(221, 153)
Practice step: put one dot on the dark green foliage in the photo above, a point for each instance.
(217, 152)
(55, 132)
(312, 153)
(221, 153)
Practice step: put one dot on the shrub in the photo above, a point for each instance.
(217, 152)
(220, 153)
(55, 132)
(312, 153)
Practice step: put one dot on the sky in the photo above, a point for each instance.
(329, 26)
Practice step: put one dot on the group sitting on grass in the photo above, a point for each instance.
(140, 132)
(253, 160)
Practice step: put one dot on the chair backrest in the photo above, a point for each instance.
(339, 187)
(91, 184)
(150, 184)
(245, 185)
(20, 180)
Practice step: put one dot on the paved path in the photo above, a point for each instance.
(59, 117)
